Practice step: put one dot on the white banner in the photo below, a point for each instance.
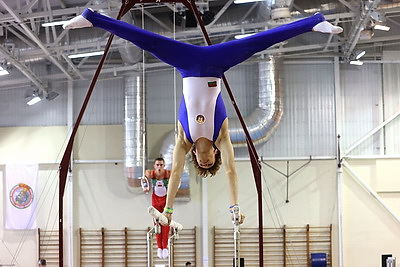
(21, 194)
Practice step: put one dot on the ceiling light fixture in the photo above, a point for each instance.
(359, 54)
(355, 57)
(52, 95)
(356, 62)
(3, 71)
(377, 15)
(34, 97)
(240, 36)
(246, 1)
(34, 100)
(88, 54)
(381, 26)
(54, 23)
(379, 21)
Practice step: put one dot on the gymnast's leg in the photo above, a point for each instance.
(159, 203)
(202, 61)
(234, 52)
(168, 50)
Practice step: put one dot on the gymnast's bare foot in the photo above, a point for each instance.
(77, 22)
(326, 27)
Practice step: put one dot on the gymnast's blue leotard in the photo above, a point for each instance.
(201, 66)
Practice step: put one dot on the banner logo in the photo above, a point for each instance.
(21, 196)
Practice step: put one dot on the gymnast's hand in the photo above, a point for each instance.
(168, 216)
(236, 215)
(241, 218)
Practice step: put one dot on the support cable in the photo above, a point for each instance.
(174, 78)
(143, 103)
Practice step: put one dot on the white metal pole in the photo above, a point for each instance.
(149, 239)
(236, 235)
(339, 175)
(204, 212)
(70, 115)
(70, 219)
(171, 239)
(339, 171)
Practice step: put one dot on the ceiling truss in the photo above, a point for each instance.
(23, 40)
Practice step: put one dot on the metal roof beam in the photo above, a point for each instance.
(355, 31)
(36, 40)
(23, 68)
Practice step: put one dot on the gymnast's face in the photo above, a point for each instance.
(205, 154)
(158, 165)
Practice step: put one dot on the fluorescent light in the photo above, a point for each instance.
(356, 62)
(89, 54)
(246, 1)
(360, 54)
(33, 97)
(3, 71)
(240, 36)
(34, 100)
(381, 27)
(54, 23)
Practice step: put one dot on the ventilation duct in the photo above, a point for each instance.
(167, 149)
(265, 118)
(134, 148)
(262, 122)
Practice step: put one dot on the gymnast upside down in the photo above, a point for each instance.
(203, 122)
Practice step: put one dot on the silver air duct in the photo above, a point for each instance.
(268, 113)
(134, 131)
(167, 149)
(135, 145)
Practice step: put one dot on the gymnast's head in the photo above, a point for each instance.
(206, 157)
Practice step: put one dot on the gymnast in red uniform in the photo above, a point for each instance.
(158, 183)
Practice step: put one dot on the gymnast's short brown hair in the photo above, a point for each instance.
(210, 172)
